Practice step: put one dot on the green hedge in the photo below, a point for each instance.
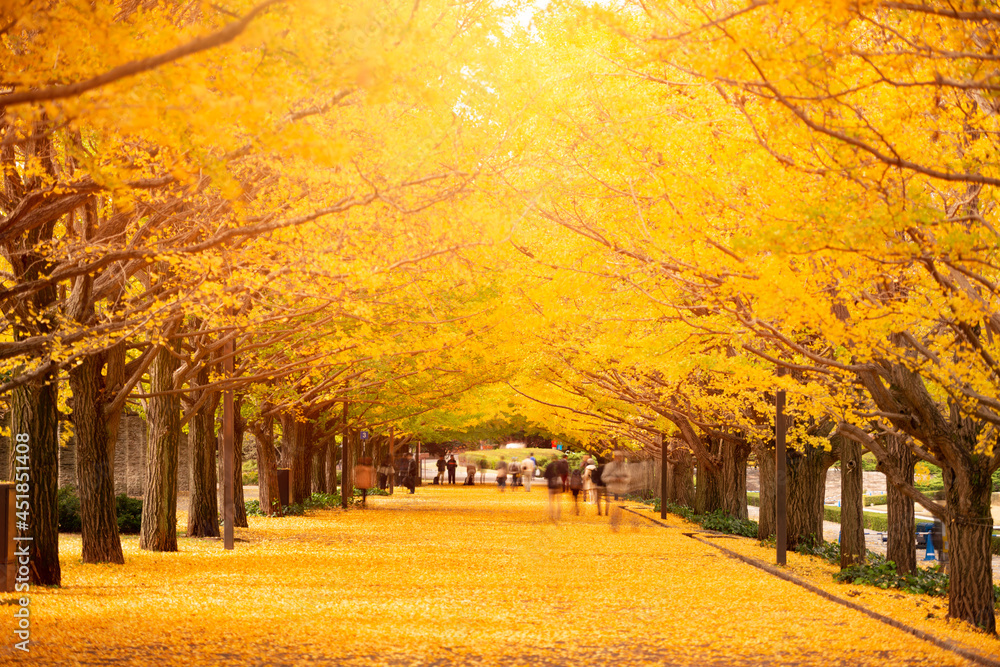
(753, 499)
(129, 511)
(873, 521)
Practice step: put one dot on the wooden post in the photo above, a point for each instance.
(392, 459)
(781, 479)
(663, 478)
(420, 467)
(228, 419)
(344, 459)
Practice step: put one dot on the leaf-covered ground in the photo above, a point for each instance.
(459, 575)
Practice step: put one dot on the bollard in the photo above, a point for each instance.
(8, 562)
(930, 548)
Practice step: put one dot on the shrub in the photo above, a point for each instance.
(717, 520)
(882, 573)
(250, 478)
(374, 491)
(69, 510)
(253, 508)
(723, 523)
(129, 512)
(829, 551)
(876, 500)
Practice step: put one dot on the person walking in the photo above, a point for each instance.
(412, 471)
(364, 478)
(588, 483)
(383, 472)
(616, 478)
(599, 489)
(501, 474)
(441, 465)
(527, 472)
(470, 473)
(402, 469)
(564, 471)
(452, 465)
(575, 485)
(514, 470)
(553, 478)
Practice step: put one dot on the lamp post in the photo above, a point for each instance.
(780, 475)
(228, 417)
(663, 478)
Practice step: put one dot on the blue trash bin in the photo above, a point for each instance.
(922, 531)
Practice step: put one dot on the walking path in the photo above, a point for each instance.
(461, 575)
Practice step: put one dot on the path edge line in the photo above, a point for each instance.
(968, 654)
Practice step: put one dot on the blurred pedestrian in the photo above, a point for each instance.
(402, 469)
(616, 478)
(600, 492)
(383, 472)
(412, 471)
(501, 474)
(588, 482)
(441, 466)
(564, 471)
(553, 479)
(470, 474)
(575, 485)
(514, 470)
(452, 465)
(364, 477)
(527, 472)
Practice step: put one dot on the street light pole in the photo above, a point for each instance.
(663, 478)
(781, 478)
(228, 418)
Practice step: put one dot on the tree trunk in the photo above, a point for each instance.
(203, 506)
(683, 477)
(34, 418)
(34, 410)
(159, 507)
(320, 468)
(239, 431)
(267, 469)
(293, 453)
(331, 466)
(95, 464)
(852, 526)
(6, 454)
(734, 478)
(722, 483)
(308, 454)
(806, 491)
(901, 547)
(970, 526)
(766, 523)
